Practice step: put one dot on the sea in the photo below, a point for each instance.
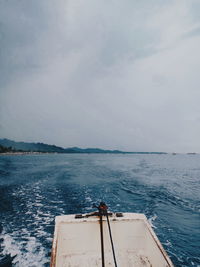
(36, 188)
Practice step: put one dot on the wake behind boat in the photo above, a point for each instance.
(106, 239)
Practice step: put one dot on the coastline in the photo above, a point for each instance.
(25, 153)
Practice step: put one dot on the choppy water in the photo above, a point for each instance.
(36, 188)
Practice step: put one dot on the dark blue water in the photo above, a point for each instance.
(36, 188)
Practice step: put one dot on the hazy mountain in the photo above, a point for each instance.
(35, 147)
(41, 147)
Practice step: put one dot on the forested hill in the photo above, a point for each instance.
(35, 147)
(4, 149)
(41, 147)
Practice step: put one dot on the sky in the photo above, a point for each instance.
(111, 74)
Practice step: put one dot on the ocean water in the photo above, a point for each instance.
(36, 188)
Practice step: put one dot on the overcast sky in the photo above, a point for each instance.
(111, 74)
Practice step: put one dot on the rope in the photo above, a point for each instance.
(111, 240)
(102, 245)
(103, 211)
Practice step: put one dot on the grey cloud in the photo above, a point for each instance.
(100, 73)
(192, 33)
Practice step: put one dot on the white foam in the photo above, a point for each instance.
(151, 220)
(28, 253)
(28, 249)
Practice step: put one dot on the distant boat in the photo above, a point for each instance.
(85, 240)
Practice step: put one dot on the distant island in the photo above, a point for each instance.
(10, 146)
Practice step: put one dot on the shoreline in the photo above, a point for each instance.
(25, 153)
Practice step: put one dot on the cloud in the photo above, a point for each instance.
(108, 74)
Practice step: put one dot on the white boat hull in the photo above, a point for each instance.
(77, 242)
